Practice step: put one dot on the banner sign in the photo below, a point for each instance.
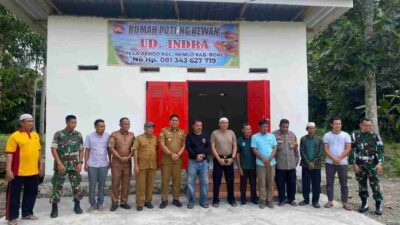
(173, 44)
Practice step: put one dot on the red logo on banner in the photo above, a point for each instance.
(118, 28)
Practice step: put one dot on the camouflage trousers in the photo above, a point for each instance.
(368, 172)
(58, 182)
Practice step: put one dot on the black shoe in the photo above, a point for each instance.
(125, 206)
(378, 210)
(243, 202)
(139, 208)
(364, 205)
(54, 210)
(77, 207)
(255, 201)
(113, 208)
(316, 205)
(148, 205)
(177, 203)
(190, 206)
(281, 203)
(303, 203)
(163, 204)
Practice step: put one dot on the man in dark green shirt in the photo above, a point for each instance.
(246, 162)
(311, 153)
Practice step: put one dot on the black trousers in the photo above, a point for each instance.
(251, 176)
(311, 178)
(286, 184)
(30, 186)
(228, 173)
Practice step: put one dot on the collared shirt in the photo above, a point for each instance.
(337, 145)
(25, 147)
(223, 141)
(145, 147)
(264, 144)
(287, 156)
(97, 145)
(174, 140)
(122, 143)
(197, 144)
(68, 144)
(247, 158)
(311, 150)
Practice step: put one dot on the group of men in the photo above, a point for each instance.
(266, 158)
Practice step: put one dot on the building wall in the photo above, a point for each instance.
(113, 92)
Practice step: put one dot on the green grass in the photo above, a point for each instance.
(3, 140)
(392, 159)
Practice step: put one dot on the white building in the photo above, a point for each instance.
(261, 70)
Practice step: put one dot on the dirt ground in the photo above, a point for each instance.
(390, 186)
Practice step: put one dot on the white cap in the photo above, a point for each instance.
(310, 124)
(223, 119)
(25, 117)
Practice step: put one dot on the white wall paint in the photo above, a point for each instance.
(116, 91)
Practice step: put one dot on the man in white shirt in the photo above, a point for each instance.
(337, 146)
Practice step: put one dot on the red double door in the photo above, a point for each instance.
(166, 98)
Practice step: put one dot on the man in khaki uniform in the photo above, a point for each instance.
(120, 147)
(172, 141)
(145, 156)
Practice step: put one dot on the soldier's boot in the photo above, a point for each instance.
(77, 207)
(378, 210)
(54, 210)
(364, 205)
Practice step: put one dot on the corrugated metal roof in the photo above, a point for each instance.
(158, 9)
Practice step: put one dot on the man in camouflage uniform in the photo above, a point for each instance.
(367, 159)
(67, 150)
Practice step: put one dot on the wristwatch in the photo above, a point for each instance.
(81, 162)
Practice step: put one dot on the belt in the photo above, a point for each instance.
(225, 156)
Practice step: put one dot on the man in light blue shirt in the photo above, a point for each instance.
(97, 163)
(264, 148)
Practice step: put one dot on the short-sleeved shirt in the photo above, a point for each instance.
(145, 146)
(97, 144)
(25, 148)
(247, 158)
(68, 144)
(122, 143)
(174, 140)
(223, 141)
(336, 145)
(264, 144)
(287, 156)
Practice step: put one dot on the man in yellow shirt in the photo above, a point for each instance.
(23, 170)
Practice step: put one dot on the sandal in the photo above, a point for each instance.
(293, 203)
(328, 205)
(30, 217)
(12, 222)
(347, 207)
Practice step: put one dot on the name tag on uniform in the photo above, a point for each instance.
(169, 139)
(279, 141)
(203, 140)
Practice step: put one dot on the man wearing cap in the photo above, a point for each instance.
(120, 147)
(145, 156)
(223, 146)
(67, 150)
(264, 147)
(172, 142)
(287, 157)
(23, 168)
(311, 151)
(97, 164)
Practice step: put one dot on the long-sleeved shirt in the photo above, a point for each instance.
(197, 144)
(311, 154)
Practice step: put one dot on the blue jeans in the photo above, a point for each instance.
(97, 177)
(199, 169)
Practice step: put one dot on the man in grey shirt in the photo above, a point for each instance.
(97, 163)
(223, 146)
(287, 157)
